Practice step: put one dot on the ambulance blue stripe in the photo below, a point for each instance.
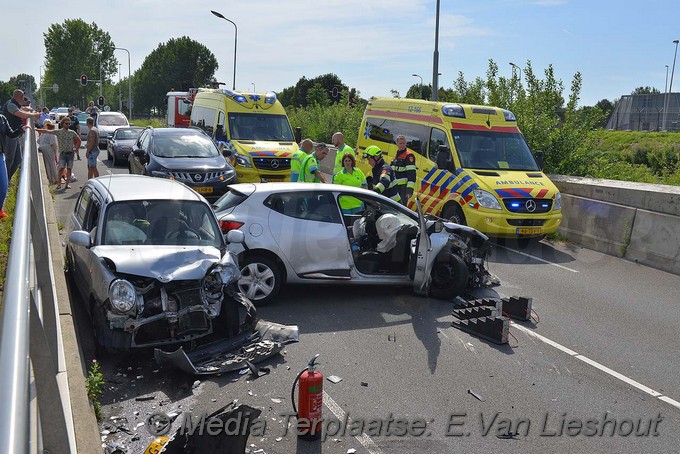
(439, 177)
(460, 184)
(447, 182)
(469, 189)
(429, 174)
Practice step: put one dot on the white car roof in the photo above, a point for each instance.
(139, 187)
(247, 188)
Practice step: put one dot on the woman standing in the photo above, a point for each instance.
(68, 141)
(47, 145)
(350, 176)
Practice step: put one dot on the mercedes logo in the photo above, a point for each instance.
(275, 164)
(198, 177)
(530, 205)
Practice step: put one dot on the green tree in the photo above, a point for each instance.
(72, 49)
(297, 95)
(645, 91)
(6, 90)
(417, 91)
(318, 96)
(181, 63)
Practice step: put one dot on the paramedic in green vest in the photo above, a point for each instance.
(296, 161)
(350, 176)
(339, 142)
(310, 171)
(404, 166)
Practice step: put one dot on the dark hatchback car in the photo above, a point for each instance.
(120, 144)
(182, 154)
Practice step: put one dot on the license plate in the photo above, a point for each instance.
(271, 179)
(529, 231)
(204, 189)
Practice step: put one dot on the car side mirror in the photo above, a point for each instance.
(298, 134)
(235, 236)
(539, 158)
(444, 157)
(80, 238)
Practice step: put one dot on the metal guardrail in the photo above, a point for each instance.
(35, 415)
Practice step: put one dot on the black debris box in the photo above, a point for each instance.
(517, 307)
(494, 329)
(467, 313)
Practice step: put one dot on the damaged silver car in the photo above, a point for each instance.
(148, 258)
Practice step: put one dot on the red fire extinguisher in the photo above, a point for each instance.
(310, 401)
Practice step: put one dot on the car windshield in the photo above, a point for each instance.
(62, 110)
(259, 127)
(161, 222)
(112, 120)
(493, 150)
(176, 145)
(127, 134)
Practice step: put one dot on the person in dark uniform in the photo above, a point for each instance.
(383, 180)
(404, 165)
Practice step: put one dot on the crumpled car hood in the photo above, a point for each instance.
(165, 263)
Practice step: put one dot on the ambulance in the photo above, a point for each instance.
(252, 127)
(473, 165)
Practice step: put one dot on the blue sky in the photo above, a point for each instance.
(376, 45)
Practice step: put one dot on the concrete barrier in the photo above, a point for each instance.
(637, 221)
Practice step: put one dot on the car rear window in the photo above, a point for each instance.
(229, 200)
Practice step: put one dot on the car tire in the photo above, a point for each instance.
(106, 339)
(449, 278)
(260, 279)
(454, 213)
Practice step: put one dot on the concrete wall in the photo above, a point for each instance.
(640, 222)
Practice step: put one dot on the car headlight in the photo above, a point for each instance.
(558, 202)
(122, 295)
(243, 161)
(486, 199)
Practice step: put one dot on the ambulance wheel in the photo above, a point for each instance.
(454, 214)
(260, 279)
(449, 279)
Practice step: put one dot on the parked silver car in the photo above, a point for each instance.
(148, 258)
(107, 123)
(298, 233)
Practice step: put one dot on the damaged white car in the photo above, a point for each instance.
(148, 258)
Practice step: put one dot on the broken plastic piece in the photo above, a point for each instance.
(475, 395)
(143, 398)
(334, 379)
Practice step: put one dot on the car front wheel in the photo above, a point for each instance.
(260, 279)
(449, 279)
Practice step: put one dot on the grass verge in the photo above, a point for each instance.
(6, 232)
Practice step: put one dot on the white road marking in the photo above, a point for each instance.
(537, 258)
(339, 413)
(599, 366)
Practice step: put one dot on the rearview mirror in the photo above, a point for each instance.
(80, 238)
(298, 134)
(443, 157)
(539, 158)
(235, 236)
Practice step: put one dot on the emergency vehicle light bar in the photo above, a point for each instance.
(453, 110)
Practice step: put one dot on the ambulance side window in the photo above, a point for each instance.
(204, 118)
(437, 139)
(380, 130)
(219, 129)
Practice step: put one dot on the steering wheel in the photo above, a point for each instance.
(185, 233)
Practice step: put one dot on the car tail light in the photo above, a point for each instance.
(226, 226)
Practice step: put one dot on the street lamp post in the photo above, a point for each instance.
(120, 95)
(514, 66)
(670, 87)
(42, 91)
(233, 87)
(253, 84)
(129, 82)
(421, 84)
(435, 59)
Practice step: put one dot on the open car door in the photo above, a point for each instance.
(423, 273)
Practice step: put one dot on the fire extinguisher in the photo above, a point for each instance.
(310, 400)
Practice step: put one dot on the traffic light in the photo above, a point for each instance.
(83, 80)
(100, 101)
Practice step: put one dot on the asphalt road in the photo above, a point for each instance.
(601, 359)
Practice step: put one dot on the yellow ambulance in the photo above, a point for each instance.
(473, 165)
(253, 127)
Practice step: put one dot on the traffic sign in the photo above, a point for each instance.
(55, 88)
